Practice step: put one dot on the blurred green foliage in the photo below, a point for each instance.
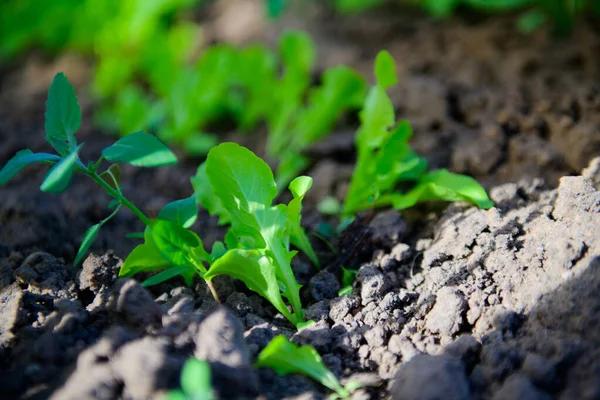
(151, 75)
(562, 14)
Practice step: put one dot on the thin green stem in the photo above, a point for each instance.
(117, 195)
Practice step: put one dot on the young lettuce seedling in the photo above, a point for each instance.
(386, 159)
(63, 118)
(285, 358)
(195, 382)
(239, 187)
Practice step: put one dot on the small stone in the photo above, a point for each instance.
(373, 283)
(324, 285)
(446, 316)
(431, 377)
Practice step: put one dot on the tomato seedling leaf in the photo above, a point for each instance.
(59, 176)
(22, 159)
(63, 115)
(140, 149)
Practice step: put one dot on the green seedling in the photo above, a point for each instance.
(195, 382)
(285, 358)
(385, 159)
(239, 187)
(63, 118)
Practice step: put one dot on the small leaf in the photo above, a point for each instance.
(276, 7)
(88, 239)
(447, 186)
(176, 243)
(195, 379)
(63, 115)
(285, 357)
(385, 70)
(59, 176)
(300, 186)
(113, 203)
(144, 257)
(168, 274)
(140, 149)
(22, 159)
(182, 212)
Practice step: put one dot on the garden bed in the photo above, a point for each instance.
(450, 302)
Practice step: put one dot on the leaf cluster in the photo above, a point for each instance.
(240, 188)
(385, 159)
(62, 120)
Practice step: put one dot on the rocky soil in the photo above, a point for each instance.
(449, 302)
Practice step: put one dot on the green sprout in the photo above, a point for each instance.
(195, 382)
(385, 159)
(285, 358)
(239, 187)
(63, 118)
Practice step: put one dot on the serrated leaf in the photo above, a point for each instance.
(63, 115)
(88, 239)
(140, 149)
(59, 176)
(385, 70)
(285, 358)
(22, 159)
(182, 212)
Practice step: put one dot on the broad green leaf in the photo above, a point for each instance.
(298, 238)
(59, 176)
(182, 212)
(88, 239)
(444, 185)
(241, 180)
(376, 118)
(144, 258)
(63, 115)
(285, 358)
(22, 159)
(217, 251)
(195, 379)
(177, 244)
(185, 271)
(205, 196)
(256, 271)
(385, 70)
(140, 149)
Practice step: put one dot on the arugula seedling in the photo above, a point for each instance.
(386, 159)
(63, 118)
(239, 187)
(285, 358)
(195, 382)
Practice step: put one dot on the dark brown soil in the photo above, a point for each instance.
(455, 304)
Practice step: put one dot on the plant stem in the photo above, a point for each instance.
(117, 195)
(213, 291)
